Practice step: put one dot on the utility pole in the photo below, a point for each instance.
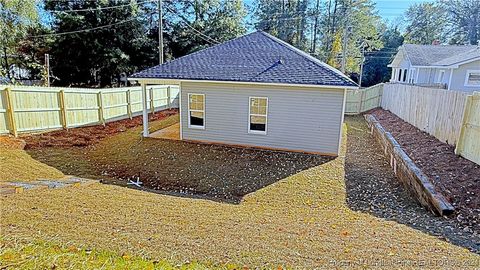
(314, 42)
(361, 65)
(160, 32)
(345, 35)
(47, 68)
(344, 48)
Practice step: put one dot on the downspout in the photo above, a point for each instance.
(145, 111)
(341, 122)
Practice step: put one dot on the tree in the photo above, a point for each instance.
(117, 44)
(16, 16)
(357, 23)
(425, 23)
(199, 24)
(376, 62)
(464, 17)
(366, 31)
(287, 20)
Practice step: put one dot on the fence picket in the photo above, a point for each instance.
(31, 108)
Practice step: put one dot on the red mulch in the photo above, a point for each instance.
(8, 142)
(457, 178)
(84, 136)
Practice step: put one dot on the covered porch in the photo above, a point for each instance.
(169, 133)
(172, 98)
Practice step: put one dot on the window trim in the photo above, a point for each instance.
(441, 76)
(468, 75)
(189, 110)
(250, 114)
(411, 79)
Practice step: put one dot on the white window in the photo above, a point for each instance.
(257, 117)
(441, 75)
(412, 76)
(196, 111)
(472, 78)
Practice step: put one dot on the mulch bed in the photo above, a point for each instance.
(372, 187)
(457, 178)
(84, 136)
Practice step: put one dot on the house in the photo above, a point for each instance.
(256, 91)
(444, 66)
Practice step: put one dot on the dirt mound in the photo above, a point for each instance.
(84, 136)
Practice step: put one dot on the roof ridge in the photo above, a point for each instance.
(440, 45)
(307, 56)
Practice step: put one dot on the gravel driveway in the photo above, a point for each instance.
(373, 188)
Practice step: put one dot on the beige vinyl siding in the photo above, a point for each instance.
(299, 118)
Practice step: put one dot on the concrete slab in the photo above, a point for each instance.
(170, 133)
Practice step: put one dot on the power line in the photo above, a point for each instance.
(206, 38)
(99, 8)
(84, 30)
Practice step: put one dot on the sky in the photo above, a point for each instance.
(393, 9)
(388, 9)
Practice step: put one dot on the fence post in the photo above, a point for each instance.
(101, 117)
(362, 93)
(63, 109)
(466, 116)
(168, 97)
(11, 112)
(129, 103)
(152, 105)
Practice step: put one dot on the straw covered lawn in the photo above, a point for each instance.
(17, 165)
(301, 221)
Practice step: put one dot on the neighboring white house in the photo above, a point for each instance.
(444, 66)
(256, 91)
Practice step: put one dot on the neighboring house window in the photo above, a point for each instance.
(196, 111)
(441, 74)
(412, 76)
(400, 75)
(472, 78)
(257, 118)
(405, 75)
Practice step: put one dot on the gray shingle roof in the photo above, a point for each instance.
(441, 55)
(256, 57)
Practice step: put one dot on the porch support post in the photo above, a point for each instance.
(145, 110)
(450, 79)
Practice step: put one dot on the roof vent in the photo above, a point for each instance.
(281, 61)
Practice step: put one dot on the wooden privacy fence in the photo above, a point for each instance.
(469, 141)
(362, 100)
(435, 111)
(29, 109)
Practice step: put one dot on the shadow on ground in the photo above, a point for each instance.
(215, 172)
(373, 188)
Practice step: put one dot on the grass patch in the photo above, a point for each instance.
(17, 165)
(46, 255)
(301, 221)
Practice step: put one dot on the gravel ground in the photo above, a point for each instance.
(373, 188)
